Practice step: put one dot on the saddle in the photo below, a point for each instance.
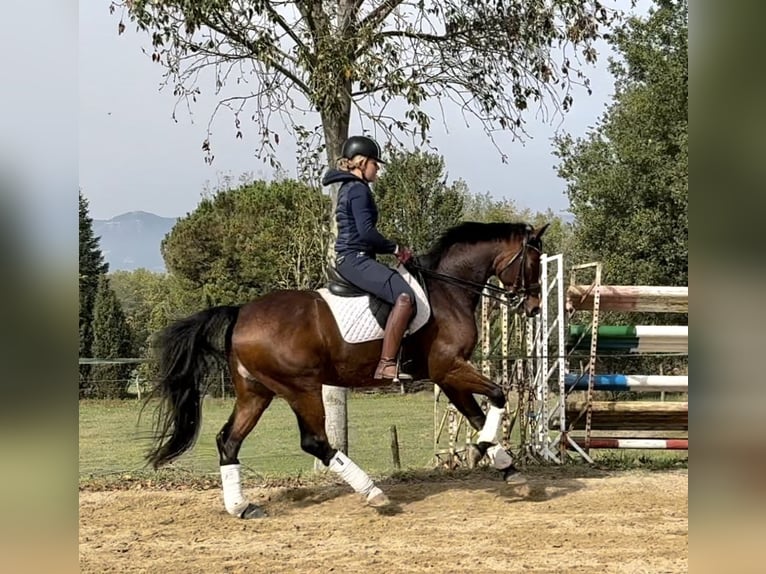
(337, 285)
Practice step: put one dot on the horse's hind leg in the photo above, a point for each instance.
(309, 410)
(252, 400)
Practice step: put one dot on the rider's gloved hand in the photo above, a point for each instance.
(403, 254)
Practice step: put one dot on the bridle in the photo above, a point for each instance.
(512, 296)
(519, 288)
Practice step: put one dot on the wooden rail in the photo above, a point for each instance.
(630, 415)
(640, 298)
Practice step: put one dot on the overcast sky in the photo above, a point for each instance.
(133, 156)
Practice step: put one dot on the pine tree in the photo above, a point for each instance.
(112, 339)
(92, 266)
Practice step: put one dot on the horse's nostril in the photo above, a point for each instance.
(534, 312)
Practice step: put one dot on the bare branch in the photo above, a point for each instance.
(316, 20)
(253, 48)
(421, 36)
(290, 30)
(379, 14)
(494, 59)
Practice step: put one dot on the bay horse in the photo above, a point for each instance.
(286, 343)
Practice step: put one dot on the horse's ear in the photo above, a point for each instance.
(537, 234)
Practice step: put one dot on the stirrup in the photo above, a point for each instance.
(397, 377)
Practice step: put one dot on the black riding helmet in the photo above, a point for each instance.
(361, 145)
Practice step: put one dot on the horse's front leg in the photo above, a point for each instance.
(460, 383)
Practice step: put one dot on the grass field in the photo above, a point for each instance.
(114, 441)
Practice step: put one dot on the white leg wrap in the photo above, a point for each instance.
(499, 457)
(491, 425)
(233, 500)
(353, 475)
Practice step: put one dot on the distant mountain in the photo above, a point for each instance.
(132, 240)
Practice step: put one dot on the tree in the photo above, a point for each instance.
(419, 205)
(112, 339)
(628, 179)
(139, 292)
(414, 200)
(493, 58)
(91, 267)
(483, 207)
(242, 242)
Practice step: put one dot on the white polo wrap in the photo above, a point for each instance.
(352, 474)
(491, 426)
(233, 499)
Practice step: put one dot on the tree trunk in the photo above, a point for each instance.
(335, 133)
(336, 410)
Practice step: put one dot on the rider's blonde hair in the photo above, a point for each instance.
(356, 162)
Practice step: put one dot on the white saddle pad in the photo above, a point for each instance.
(356, 322)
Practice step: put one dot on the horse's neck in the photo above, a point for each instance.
(476, 270)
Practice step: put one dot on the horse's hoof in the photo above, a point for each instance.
(378, 501)
(512, 475)
(253, 511)
(473, 455)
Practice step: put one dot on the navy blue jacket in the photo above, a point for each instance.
(357, 216)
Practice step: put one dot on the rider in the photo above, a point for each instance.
(359, 241)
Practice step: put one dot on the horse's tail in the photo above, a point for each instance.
(186, 351)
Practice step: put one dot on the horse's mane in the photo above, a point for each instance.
(470, 232)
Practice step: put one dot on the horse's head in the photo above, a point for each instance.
(518, 268)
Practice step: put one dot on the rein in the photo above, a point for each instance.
(472, 286)
(513, 300)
